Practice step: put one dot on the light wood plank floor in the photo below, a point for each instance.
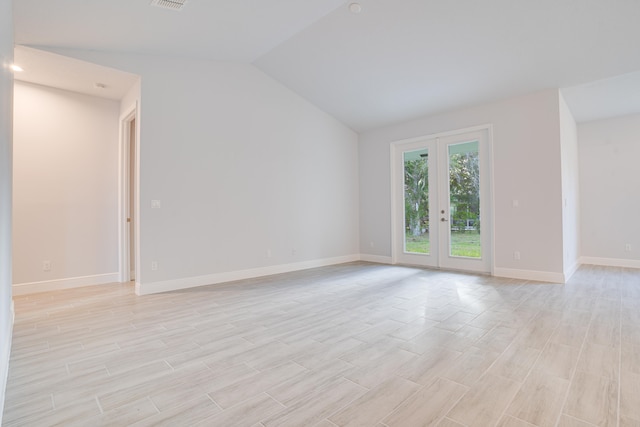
(351, 345)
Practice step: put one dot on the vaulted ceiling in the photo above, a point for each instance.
(393, 61)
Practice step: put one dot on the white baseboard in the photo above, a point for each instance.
(610, 262)
(539, 276)
(4, 360)
(571, 270)
(379, 259)
(231, 276)
(68, 283)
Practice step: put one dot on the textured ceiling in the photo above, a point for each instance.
(616, 96)
(62, 72)
(229, 30)
(407, 58)
(394, 61)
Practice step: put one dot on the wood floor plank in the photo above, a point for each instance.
(630, 395)
(246, 413)
(567, 421)
(74, 414)
(629, 422)
(558, 360)
(306, 383)
(315, 407)
(484, 403)
(540, 399)
(630, 358)
(374, 405)
(430, 365)
(516, 362)
(470, 366)
(127, 414)
(600, 360)
(594, 399)
(255, 384)
(381, 369)
(447, 422)
(509, 421)
(185, 414)
(428, 406)
(361, 343)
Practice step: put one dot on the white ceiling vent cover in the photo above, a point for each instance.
(169, 4)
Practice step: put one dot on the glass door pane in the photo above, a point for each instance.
(441, 186)
(464, 200)
(416, 201)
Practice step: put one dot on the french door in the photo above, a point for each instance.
(442, 203)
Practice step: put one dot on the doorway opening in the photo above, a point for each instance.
(129, 206)
(441, 192)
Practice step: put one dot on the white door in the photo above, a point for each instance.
(132, 200)
(442, 202)
(128, 227)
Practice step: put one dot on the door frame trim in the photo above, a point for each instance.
(396, 145)
(124, 268)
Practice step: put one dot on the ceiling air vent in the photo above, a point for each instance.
(169, 4)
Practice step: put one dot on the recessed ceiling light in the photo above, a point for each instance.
(355, 8)
(16, 68)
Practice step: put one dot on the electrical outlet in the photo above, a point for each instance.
(371, 244)
(293, 252)
(516, 255)
(268, 253)
(154, 265)
(46, 265)
(627, 247)
(155, 204)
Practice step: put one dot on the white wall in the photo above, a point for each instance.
(6, 121)
(609, 183)
(570, 189)
(243, 167)
(65, 188)
(130, 99)
(527, 168)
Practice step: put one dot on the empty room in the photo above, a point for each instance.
(320, 213)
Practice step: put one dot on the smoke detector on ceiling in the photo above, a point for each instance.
(169, 4)
(355, 8)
